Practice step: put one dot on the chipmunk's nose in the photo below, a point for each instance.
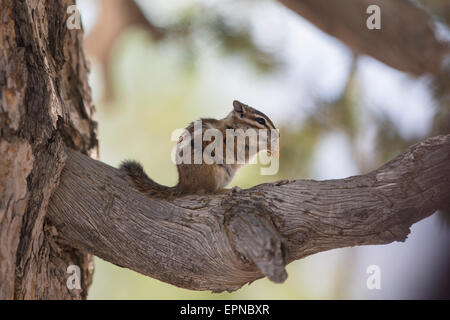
(275, 150)
(275, 143)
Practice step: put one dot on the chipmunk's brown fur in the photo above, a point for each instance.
(205, 178)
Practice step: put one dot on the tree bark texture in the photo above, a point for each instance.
(45, 105)
(221, 242)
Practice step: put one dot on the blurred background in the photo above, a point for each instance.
(157, 65)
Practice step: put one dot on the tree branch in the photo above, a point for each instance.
(221, 242)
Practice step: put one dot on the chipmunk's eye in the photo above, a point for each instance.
(261, 121)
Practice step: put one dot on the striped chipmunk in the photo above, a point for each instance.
(210, 152)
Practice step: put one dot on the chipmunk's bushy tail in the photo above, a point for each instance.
(143, 183)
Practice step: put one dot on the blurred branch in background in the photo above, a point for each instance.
(396, 44)
(115, 17)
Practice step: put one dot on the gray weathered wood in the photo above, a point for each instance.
(221, 242)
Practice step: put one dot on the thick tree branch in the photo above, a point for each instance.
(406, 40)
(221, 242)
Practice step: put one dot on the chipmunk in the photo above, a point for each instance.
(202, 178)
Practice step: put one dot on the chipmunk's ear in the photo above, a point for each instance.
(239, 108)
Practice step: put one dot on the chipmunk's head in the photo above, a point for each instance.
(248, 117)
(245, 117)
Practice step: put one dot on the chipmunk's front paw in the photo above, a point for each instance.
(235, 189)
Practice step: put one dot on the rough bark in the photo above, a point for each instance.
(45, 105)
(406, 40)
(221, 242)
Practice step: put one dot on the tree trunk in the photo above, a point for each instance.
(45, 104)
